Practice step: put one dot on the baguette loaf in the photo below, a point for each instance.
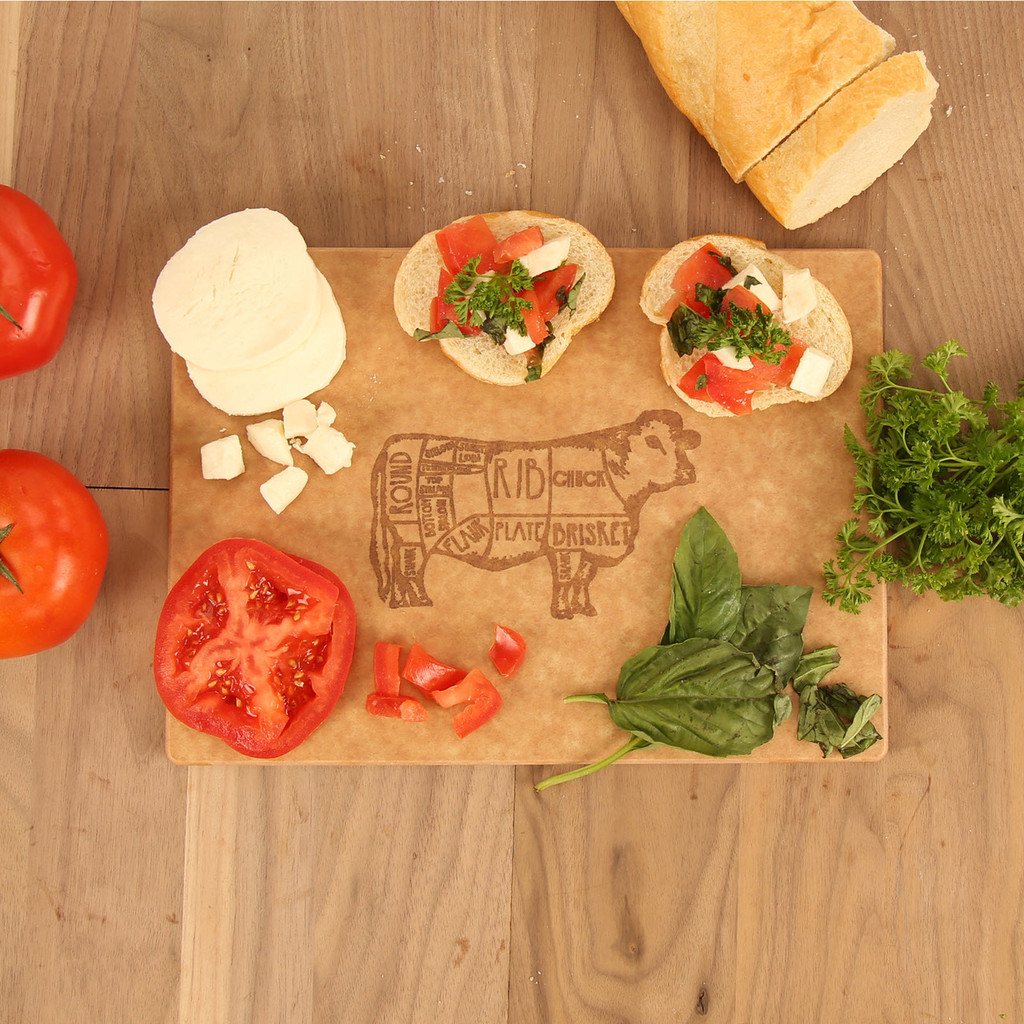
(748, 74)
(825, 327)
(848, 143)
(417, 281)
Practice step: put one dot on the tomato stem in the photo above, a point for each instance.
(7, 316)
(5, 569)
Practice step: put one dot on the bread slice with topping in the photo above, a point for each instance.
(481, 356)
(824, 328)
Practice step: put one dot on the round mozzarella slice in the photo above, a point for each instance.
(268, 388)
(241, 292)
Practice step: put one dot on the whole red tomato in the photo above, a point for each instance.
(53, 553)
(38, 280)
(254, 646)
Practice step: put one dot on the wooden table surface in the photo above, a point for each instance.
(134, 890)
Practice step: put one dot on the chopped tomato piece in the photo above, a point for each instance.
(536, 327)
(703, 267)
(442, 311)
(517, 245)
(427, 673)
(688, 384)
(508, 651)
(409, 709)
(743, 297)
(731, 389)
(386, 680)
(479, 693)
(548, 285)
(779, 373)
(460, 242)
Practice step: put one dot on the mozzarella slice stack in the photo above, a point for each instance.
(247, 309)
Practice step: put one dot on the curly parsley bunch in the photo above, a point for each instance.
(941, 483)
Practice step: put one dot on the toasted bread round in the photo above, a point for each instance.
(825, 327)
(416, 286)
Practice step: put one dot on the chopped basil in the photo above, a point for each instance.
(449, 330)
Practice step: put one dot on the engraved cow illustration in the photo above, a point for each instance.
(575, 501)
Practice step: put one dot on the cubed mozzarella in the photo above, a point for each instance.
(727, 357)
(267, 437)
(222, 459)
(299, 419)
(325, 415)
(284, 487)
(798, 295)
(329, 449)
(811, 372)
(754, 281)
(516, 343)
(547, 256)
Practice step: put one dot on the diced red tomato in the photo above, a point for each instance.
(508, 651)
(458, 243)
(409, 709)
(517, 245)
(536, 327)
(688, 382)
(479, 693)
(386, 680)
(781, 373)
(732, 389)
(743, 297)
(703, 267)
(427, 673)
(547, 286)
(442, 311)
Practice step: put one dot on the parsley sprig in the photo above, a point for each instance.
(939, 489)
(752, 332)
(481, 297)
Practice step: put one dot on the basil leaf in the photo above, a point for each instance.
(834, 717)
(449, 330)
(572, 297)
(685, 329)
(703, 695)
(706, 583)
(770, 626)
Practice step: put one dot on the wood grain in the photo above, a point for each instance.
(888, 892)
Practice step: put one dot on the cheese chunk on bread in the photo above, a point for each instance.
(825, 328)
(416, 285)
(849, 142)
(747, 74)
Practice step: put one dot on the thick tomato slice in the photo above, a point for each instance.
(254, 646)
(702, 267)
(478, 693)
(508, 651)
(550, 286)
(517, 245)
(458, 243)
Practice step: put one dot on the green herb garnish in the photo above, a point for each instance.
(939, 489)
(490, 296)
(752, 332)
(716, 682)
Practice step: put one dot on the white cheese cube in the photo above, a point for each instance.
(727, 357)
(751, 278)
(811, 372)
(546, 257)
(299, 418)
(325, 415)
(283, 488)
(798, 295)
(516, 343)
(329, 449)
(268, 439)
(222, 459)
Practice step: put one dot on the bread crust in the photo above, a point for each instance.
(416, 285)
(825, 327)
(747, 74)
(848, 144)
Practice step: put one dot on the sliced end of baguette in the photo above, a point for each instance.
(849, 143)
(748, 73)
(416, 285)
(825, 327)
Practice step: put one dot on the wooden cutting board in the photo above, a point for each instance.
(563, 457)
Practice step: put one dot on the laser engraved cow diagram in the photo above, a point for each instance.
(575, 501)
